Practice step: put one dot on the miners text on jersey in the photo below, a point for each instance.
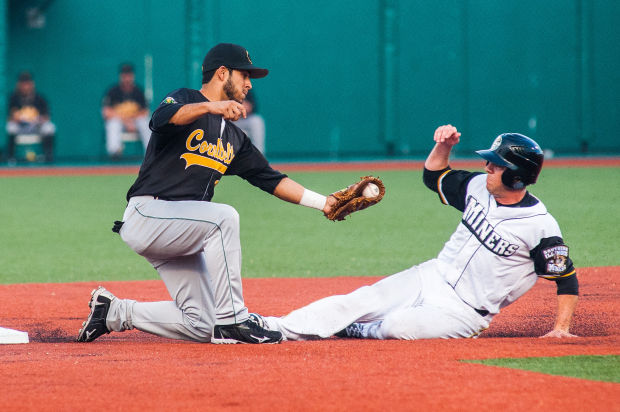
(474, 219)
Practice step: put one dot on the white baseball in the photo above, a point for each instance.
(371, 190)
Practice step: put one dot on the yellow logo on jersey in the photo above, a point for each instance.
(202, 153)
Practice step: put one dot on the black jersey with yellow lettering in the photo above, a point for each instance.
(185, 162)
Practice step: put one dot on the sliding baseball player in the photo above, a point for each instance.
(505, 241)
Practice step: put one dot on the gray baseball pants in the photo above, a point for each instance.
(195, 248)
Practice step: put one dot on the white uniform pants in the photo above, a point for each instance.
(45, 128)
(114, 131)
(413, 304)
(196, 250)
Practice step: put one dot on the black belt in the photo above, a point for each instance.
(482, 312)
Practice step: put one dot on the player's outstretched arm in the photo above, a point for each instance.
(291, 191)
(566, 308)
(445, 138)
(338, 205)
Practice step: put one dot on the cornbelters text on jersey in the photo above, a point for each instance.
(475, 220)
(210, 155)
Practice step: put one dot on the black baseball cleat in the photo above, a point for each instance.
(360, 330)
(250, 331)
(354, 330)
(94, 326)
(258, 319)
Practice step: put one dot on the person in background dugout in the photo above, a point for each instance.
(254, 124)
(29, 114)
(125, 110)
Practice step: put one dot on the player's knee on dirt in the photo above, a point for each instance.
(195, 327)
(197, 320)
(199, 335)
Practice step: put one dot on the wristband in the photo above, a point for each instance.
(313, 200)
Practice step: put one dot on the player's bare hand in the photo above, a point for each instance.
(329, 204)
(447, 135)
(331, 199)
(229, 109)
(559, 333)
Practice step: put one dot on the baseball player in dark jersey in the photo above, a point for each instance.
(506, 240)
(192, 242)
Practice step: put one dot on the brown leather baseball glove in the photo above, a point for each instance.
(352, 199)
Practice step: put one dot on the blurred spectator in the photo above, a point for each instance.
(253, 125)
(125, 110)
(29, 115)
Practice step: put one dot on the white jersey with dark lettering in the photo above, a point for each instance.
(489, 254)
(495, 255)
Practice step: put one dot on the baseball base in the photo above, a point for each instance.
(9, 336)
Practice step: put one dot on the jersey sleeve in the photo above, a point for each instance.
(167, 108)
(552, 262)
(568, 286)
(449, 184)
(250, 164)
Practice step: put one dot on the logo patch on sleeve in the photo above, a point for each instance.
(556, 258)
(169, 100)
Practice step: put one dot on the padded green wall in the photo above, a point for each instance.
(351, 78)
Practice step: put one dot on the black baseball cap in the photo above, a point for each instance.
(232, 56)
(126, 68)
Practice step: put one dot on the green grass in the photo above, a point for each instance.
(598, 368)
(57, 229)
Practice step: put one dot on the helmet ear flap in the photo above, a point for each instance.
(512, 180)
(517, 184)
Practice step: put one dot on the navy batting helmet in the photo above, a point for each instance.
(521, 156)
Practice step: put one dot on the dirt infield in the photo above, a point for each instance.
(135, 371)
(304, 167)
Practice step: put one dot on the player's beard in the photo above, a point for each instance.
(232, 93)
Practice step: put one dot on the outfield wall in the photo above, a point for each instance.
(349, 78)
